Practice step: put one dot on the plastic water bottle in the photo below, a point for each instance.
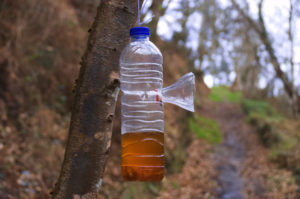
(143, 109)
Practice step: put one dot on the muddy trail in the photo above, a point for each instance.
(239, 142)
(229, 161)
(238, 168)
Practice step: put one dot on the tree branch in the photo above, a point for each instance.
(260, 29)
(95, 96)
(157, 11)
(291, 38)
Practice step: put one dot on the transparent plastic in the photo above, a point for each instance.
(181, 93)
(143, 109)
(141, 76)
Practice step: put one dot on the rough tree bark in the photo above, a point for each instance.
(96, 91)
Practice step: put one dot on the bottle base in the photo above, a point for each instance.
(143, 173)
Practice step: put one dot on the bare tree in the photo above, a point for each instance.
(96, 91)
(291, 38)
(260, 28)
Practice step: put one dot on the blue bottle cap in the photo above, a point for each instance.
(139, 31)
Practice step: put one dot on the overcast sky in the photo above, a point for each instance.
(275, 12)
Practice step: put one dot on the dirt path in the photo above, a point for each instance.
(239, 140)
(238, 168)
(230, 157)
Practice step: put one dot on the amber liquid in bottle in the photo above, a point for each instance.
(143, 156)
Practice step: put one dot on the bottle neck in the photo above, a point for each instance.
(139, 38)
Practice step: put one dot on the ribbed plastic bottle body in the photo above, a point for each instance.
(142, 111)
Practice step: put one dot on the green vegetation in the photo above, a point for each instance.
(223, 93)
(175, 185)
(286, 144)
(43, 56)
(268, 123)
(175, 157)
(206, 129)
(264, 118)
(141, 190)
(261, 108)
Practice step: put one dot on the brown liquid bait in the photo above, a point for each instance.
(143, 156)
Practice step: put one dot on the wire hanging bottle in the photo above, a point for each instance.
(143, 108)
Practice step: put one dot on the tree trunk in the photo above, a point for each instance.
(96, 91)
(260, 29)
(295, 102)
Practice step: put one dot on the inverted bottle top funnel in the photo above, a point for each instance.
(181, 93)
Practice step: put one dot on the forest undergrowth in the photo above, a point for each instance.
(40, 47)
